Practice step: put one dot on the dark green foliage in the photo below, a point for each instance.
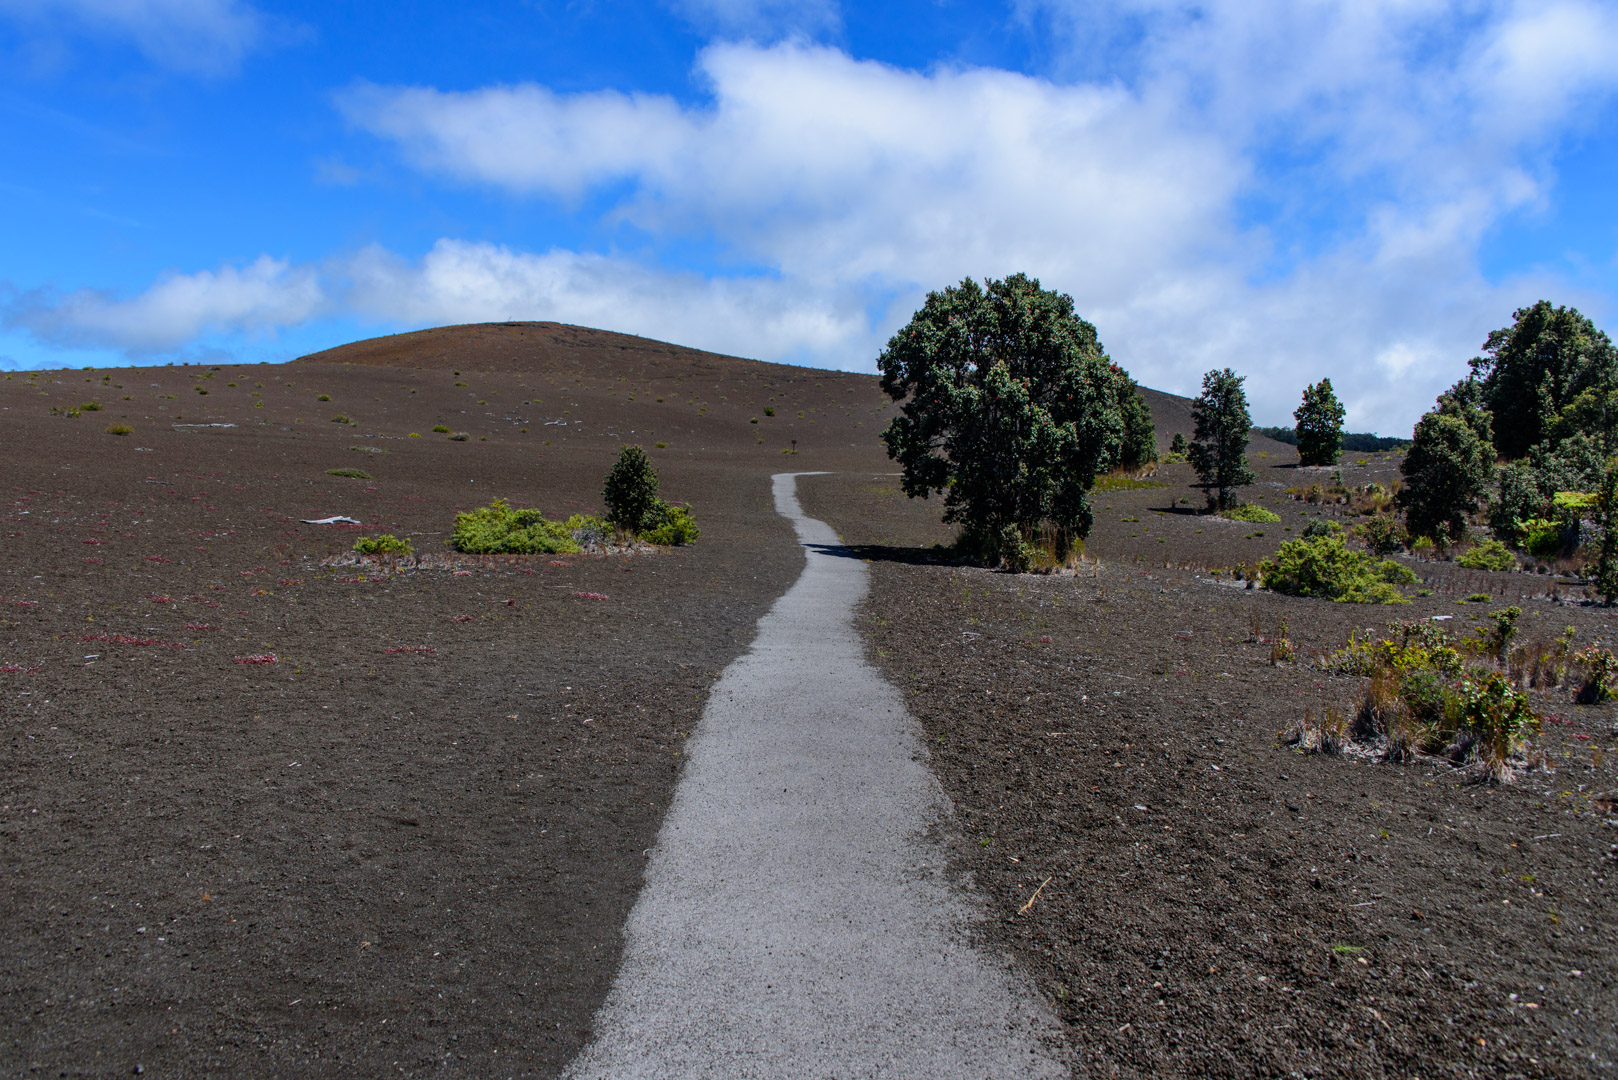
(1252, 513)
(1533, 369)
(1320, 425)
(1325, 566)
(1527, 489)
(1447, 469)
(1607, 553)
(1178, 445)
(1353, 442)
(385, 544)
(350, 474)
(1219, 449)
(502, 529)
(631, 490)
(1382, 534)
(1010, 408)
(1139, 445)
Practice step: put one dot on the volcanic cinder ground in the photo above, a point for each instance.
(410, 844)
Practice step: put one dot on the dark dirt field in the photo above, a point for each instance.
(355, 862)
(1214, 903)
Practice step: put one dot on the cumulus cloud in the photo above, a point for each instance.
(199, 37)
(176, 310)
(1292, 190)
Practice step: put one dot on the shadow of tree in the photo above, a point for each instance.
(916, 556)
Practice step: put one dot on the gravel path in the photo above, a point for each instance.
(796, 921)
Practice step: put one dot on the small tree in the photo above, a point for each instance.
(1010, 407)
(1607, 555)
(631, 490)
(1219, 448)
(1320, 425)
(1536, 367)
(1177, 445)
(1139, 446)
(1446, 473)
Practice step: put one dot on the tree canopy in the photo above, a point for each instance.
(1010, 408)
(1535, 368)
(1320, 425)
(1448, 467)
(1219, 446)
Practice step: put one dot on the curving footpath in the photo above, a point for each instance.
(795, 920)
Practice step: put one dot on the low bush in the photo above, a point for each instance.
(669, 525)
(1489, 555)
(502, 529)
(459, 436)
(1251, 513)
(1600, 667)
(385, 544)
(1423, 698)
(441, 429)
(340, 418)
(1544, 538)
(1325, 566)
(1383, 535)
(120, 429)
(350, 474)
(1123, 481)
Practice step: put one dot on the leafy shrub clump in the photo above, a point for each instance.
(340, 418)
(1543, 538)
(1120, 481)
(120, 429)
(459, 436)
(1424, 699)
(1600, 668)
(1489, 555)
(385, 544)
(350, 474)
(1325, 566)
(502, 529)
(1382, 534)
(441, 429)
(1250, 512)
(669, 525)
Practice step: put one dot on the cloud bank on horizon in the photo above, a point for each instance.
(1344, 188)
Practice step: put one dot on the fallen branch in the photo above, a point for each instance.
(1024, 909)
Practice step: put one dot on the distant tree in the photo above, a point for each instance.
(631, 490)
(1177, 446)
(1010, 407)
(1320, 425)
(1448, 467)
(1139, 445)
(1607, 552)
(1533, 369)
(1219, 448)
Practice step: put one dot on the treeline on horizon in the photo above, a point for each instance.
(1352, 441)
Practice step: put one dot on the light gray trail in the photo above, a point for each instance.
(796, 921)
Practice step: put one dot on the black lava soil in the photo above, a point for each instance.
(1194, 897)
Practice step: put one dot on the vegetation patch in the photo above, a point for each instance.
(385, 544)
(1118, 481)
(1425, 697)
(1251, 513)
(1489, 555)
(1326, 566)
(350, 474)
(502, 529)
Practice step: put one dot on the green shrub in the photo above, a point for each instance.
(769, 410)
(1251, 512)
(1479, 598)
(351, 474)
(1119, 481)
(441, 429)
(630, 491)
(669, 525)
(91, 406)
(120, 429)
(1489, 555)
(323, 397)
(1543, 538)
(1422, 698)
(340, 418)
(459, 436)
(1600, 666)
(386, 544)
(1324, 566)
(1322, 527)
(1382, 534)
(502, 529)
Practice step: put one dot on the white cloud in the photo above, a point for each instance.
(261, 297)
(200, 37)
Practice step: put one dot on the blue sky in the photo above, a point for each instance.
(1358, 189)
